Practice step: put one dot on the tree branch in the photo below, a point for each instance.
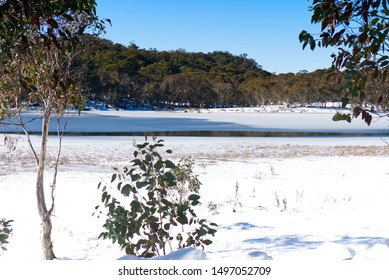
(60, 134)
(23, 126)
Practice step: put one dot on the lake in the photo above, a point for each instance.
(249, 124)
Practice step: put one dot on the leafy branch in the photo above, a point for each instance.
(5, 233)
(358, 29)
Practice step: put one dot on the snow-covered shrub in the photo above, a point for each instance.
(5, 233)
(143, 216)
(186, 181)
(10, 144)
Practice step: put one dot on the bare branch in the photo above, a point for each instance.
(60, 134)
(23, 126)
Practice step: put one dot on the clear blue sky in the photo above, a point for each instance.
(265, 30)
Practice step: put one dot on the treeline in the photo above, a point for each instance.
(129, 77)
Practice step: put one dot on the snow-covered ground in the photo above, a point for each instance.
(294, 198)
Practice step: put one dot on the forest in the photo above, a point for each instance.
(131, 77)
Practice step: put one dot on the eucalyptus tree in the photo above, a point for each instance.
(38, 42)
(359, 30)
(257, 91)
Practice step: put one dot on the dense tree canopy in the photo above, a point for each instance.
(128, 77)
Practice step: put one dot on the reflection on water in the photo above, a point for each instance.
(229, 134)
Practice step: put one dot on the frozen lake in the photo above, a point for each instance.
(207, 124)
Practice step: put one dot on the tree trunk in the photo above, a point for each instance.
(45, 215)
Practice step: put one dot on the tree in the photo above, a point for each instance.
(358, 29)
(257, 91)
(38, 41)
(224, 91)
(189, 90)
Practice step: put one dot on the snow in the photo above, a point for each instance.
(280, 198)
(238, 119)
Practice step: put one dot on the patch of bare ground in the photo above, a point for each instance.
(289, 151)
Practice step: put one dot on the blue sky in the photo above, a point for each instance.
(265, 30)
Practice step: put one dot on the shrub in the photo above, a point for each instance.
(5, 233)
(186, 181)
(149, 203)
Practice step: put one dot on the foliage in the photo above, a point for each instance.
(142, 216)
(38, 42)
(131, 77)
(135, 76)
(5, 233)
(53, 22)
(358, 29)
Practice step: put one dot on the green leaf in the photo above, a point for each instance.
(136, 162)
(338, 117)
(182, 208)
(166, 202)
(142, 146)
(105, 198)
(140, 185)
(166, 226)
(113, 177)
(341, 117)
(207, 242)
(182, 219)
(158, 165)
(154, 226)
(126, 190)
(345, 102)
(135, 206)
(194, 197)
(169, 164)
(195, 202)
(171, 179)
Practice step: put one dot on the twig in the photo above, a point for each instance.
(60, 134)
(23, 125)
